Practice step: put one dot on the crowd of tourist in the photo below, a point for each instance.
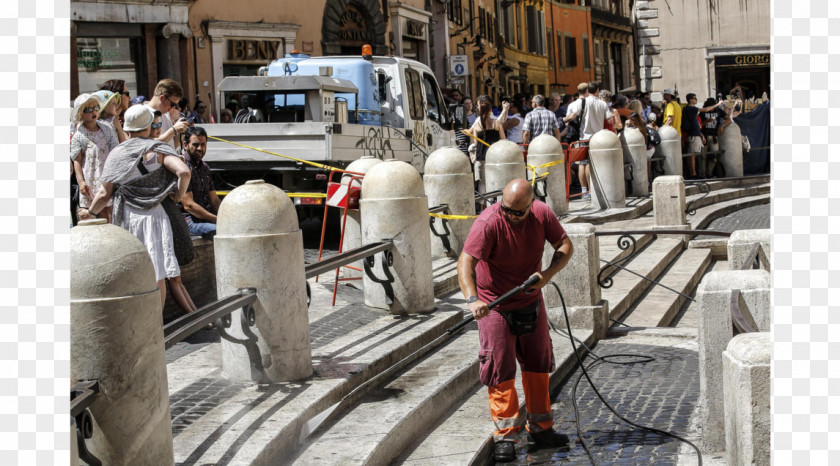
(137, 163)
(574, 118)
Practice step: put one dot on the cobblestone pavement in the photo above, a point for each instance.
(198, 399)
(661, 394)
(751, 218)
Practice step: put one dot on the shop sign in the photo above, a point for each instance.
(93, 59)
(256, 51)
(750, 60)
(353, 26)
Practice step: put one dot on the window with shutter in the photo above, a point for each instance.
(571, 52)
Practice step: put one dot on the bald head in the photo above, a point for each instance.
(518, 194)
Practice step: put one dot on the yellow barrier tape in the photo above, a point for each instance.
(321, 195)
(474, 137)
(308, 162)
(533, 169)
(453, 217)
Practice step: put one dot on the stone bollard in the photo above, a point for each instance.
(545, 149)
(715, 332)
(505, 162)
(259, 245)
(746, 398)
(741, 242)
(733, 157)
(116, 337)
(633, 144)
(395, 207)
(352, 231)
(671, 149)
(448, 180)
(607, 168)
(578, 282)
(669, 206)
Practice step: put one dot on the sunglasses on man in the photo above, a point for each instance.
(515, 213)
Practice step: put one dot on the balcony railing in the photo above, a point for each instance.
(610, 17)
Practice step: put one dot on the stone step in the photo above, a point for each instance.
(463, 435)
(705, 215)
(659, 307)
(219, 421)
(720, 190)
(689, 316)
(445, 276)
(392, 415)
(650, 262)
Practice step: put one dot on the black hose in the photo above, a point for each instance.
(607, 359)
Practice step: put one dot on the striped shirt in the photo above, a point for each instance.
(540, 120)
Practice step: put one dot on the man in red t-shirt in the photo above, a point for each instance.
(503, 249)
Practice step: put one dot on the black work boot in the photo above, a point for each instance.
(504, 451)
(549, 438)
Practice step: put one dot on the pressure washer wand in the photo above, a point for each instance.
(531, 281)
(312, 425)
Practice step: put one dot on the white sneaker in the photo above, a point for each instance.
(586, 197)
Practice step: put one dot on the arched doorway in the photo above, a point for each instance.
(349, 24)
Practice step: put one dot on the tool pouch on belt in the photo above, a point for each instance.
(524, 320)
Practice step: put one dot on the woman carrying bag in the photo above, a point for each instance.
(138, 197)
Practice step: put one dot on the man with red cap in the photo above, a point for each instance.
(503, 249)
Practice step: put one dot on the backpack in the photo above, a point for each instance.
(654, 136)
(575, 130)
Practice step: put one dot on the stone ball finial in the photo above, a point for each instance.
(604, 139)
(108, 262)
(545, 144)
(361, 165)
(256, 208)
(392, 179)
(447, 161)
(504, 151)
(668, 133)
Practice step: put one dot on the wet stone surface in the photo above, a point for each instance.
(751, 218)
(198, 399)
(340, 322)
(661, 394)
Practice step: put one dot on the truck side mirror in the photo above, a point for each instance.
(382, 80)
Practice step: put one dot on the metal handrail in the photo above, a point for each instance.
(487, 196)
(347, 258)
(219, 310)
(82, 396)
(439, 209)
(626, 240)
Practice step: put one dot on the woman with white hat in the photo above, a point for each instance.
(89, 148)
(139, 175)
(111, 108)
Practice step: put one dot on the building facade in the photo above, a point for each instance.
(615, 60)
(706, 48)
(524, 63)
(198, 43)
(569, 39)
(137, 42)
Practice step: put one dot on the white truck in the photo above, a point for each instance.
(330, 110)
